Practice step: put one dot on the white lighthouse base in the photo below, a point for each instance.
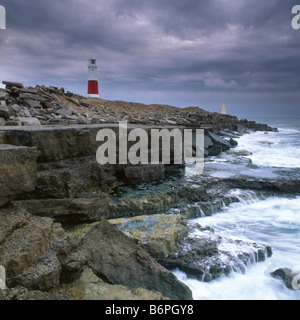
(93, 95)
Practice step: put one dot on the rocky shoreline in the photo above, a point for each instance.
(73, 229)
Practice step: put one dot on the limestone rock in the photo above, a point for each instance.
(89, 287)
(144, 173)
(4, 110)
(29, 121)
(69, 210)
(22, 293)
(157, 234)
(27, 249)
(219, 141)
(18, 171)
(118, 260)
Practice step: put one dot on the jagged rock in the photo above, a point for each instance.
(2, 122)
(36, 251)
(118, 260)
(157, 234)
(27, 249)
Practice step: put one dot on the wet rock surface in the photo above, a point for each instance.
(291, 278)
(205, 255)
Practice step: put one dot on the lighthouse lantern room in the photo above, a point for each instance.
(93, 89)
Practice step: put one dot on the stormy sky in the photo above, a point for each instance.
(177, 52)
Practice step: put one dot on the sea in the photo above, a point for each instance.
(273, 220)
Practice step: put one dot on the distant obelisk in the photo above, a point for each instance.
(223, 109)
(93, 89)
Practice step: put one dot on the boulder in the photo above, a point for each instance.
(233, 142)
(215, 150)
(28, 249)
(289, 277)
(118, 260)
(35, 251)
(219, 141)
(157, 234)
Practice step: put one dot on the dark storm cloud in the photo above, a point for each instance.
(182, 52)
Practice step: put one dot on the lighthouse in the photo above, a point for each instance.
(223, 109)
(93, 89)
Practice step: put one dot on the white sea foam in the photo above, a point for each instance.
(274, 221)
(275, 149)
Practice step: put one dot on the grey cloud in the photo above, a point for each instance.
(204, 49)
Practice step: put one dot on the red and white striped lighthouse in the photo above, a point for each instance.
(93, 89)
